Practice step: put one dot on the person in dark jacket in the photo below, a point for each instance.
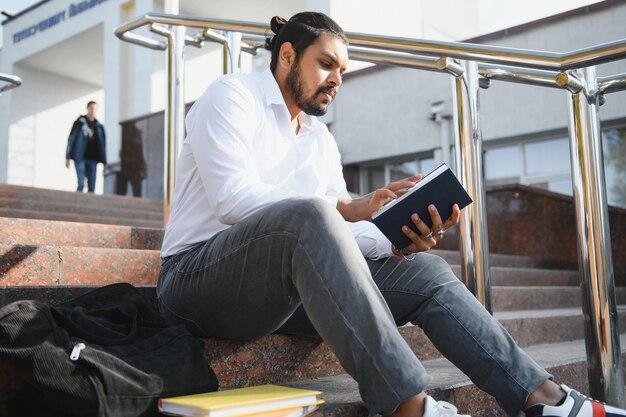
(86, 145)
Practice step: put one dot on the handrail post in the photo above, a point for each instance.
(606, 378)
(473, 240)
(13, 81)
(234, 49)
(174, 111)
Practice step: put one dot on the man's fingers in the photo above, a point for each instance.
(419, 244)
(384, 195)
(454, 217)
(422, 227)
(400, 185)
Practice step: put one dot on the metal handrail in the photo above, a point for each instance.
(473, 66)
(460, 50)
(487, 71)
(13, 82)
(612, 84)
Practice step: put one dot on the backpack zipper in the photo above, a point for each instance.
(76, 351)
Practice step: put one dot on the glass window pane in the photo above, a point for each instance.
(402, 170)
(427, 165)
(374, 178)
(502, 162)
(557, 186)
(547, 157)
(563, 187)
(614, 147)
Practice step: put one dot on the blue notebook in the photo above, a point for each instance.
(440, 187)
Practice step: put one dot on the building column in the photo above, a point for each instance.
(5, 124)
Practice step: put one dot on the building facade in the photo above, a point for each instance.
(391, 122)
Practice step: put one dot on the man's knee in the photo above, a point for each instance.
(314, 221)
(306, 210)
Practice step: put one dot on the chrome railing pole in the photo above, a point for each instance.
(225, 60)
(234, 49)
(604, 359)
(174, 117)
(13, 81)
(473, 240)
(612, 84)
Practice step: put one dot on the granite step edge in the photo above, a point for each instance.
(565, 361)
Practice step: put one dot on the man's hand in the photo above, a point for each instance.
(67, 163)
(428, 237)
(362, 208)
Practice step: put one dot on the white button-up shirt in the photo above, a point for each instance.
(241, 155)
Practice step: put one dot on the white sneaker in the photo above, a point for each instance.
(575, 405)
(434, 408)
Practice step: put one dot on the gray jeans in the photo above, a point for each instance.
(295, 267)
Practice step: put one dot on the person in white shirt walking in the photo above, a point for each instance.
(263, 237)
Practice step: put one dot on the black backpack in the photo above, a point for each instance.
(105, 353)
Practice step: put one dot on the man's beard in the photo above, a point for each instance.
(307, 105)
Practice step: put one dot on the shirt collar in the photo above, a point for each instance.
(273, 95)
(271, 89)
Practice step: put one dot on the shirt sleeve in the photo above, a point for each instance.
(220, 135)
(371, 241)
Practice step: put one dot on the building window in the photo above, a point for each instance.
(614, 147)
(546, 164)
(402, 170)
(502, 164)
(374, 176)
(543, 163)
(547, 157)
(538, 163)
(426, 165)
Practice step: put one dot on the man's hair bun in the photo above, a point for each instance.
(277, 23)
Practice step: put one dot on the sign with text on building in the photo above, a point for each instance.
(55, 19)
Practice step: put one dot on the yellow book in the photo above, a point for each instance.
(239, 401)
(283, 412)
(287, 412)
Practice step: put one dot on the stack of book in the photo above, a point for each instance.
(258, 401)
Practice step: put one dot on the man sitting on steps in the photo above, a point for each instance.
(263, 237)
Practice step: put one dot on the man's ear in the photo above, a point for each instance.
(286, 55)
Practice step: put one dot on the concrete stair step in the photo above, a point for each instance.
(38, 203)
(69, 265)
(94, 208)
(518, 276)
(82, 218)
(536, 298)
(15, 231)
(39, 195)
(511, 261)
(566, 361)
